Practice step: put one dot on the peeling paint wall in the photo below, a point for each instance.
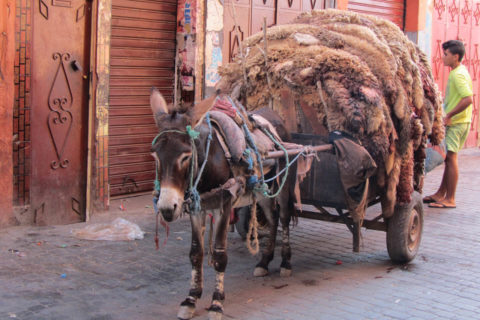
(213, 44)
(425, 35)
(102, 192)
(186, 49)
(418, 26)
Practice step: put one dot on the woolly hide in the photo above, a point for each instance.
(362, 76)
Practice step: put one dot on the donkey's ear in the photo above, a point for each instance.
(198, 111)
(157, 103)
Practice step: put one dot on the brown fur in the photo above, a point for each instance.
(373, 80)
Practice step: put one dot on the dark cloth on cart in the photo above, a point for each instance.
(355, 166)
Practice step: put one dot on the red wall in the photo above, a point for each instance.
(7, 50)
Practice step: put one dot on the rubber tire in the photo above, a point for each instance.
(404, 230)
(243, 215)
(243, 222)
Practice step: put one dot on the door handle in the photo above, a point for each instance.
(76, 66)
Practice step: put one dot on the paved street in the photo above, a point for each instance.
(46, 273)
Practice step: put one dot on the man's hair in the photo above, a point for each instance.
(455, 47)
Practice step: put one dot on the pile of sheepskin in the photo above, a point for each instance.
(362, 76)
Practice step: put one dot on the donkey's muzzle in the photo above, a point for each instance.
(170, 203)
(168, 215)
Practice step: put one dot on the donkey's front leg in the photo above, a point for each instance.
(219, 260)
(187, 307)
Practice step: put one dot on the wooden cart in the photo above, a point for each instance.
(323, 199)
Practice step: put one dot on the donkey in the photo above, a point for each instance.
(173, 153)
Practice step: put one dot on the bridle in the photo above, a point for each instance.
(192, 197)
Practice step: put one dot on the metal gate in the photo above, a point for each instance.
(393, 10)
(59, 95)
(458, 19)
(142, 56)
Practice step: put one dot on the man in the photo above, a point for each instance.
(457, 119)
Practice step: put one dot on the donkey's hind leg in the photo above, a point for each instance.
(187, 307)
(261, 269)
(286, 208)
(219, 260)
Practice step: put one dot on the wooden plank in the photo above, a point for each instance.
(118, 121)
(141, 187)
(144, 24)
(142, 110)
(129, 149)
(141, 82)
(291, 152)
(143, 140)
(373, 225)
(133, 168)
(128, 90)
(142, 43)
(141, 33)
(122, 130)
(312, 118)
(143, 14)
(139, 72)
(137, 176)
(155, 6)
(137, 62)
(130, 158)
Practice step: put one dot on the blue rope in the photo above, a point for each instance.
(263, 187)
(248, 154)
(283, 170)
(249, 139)
(287, 166)
(195, 205)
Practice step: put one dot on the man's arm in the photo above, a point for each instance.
(462, 105)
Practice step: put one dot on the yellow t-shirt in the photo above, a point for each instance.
(459, 86)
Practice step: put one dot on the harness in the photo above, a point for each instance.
(192, 193)
(258, 184)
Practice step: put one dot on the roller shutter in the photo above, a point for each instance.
(142, 55)
(392, 10)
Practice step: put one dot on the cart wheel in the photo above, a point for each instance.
(405, 230)
(243, 221)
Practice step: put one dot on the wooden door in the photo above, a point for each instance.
(250, 15)
(59, 95)
(233, 35)
(458, 19)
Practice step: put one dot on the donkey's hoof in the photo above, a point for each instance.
(260, 272)
(185, 312)
(215, 315)
(284, 272)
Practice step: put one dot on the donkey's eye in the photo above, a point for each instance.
(184, 159)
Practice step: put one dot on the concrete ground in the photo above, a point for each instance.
(47, 273)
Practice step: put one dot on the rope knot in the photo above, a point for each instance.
(194, 203)
(252, 181)
(192, 132)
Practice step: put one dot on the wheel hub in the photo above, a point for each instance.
(414, 228)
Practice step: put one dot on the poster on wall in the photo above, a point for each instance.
(186, 17)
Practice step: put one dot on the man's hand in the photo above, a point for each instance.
(462, 105)
(447, 120)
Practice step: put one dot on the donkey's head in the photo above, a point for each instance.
(172, 150)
